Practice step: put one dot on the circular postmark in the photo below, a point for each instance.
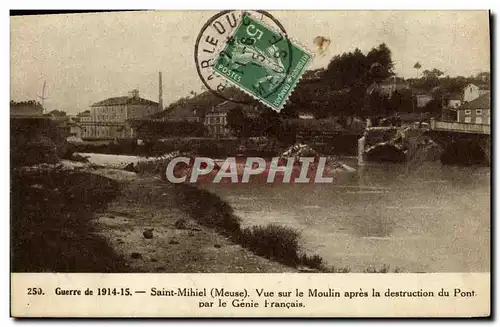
(216, 35)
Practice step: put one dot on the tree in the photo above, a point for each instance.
(29, 103)
(379, 104)
(484, 77)
(380, 62)
(347, 77)
(401, 101)
(417, 66)
(56, 113)
(434, 106)
(347, 69)
(432, 74)
(236, 121)
(356, 68)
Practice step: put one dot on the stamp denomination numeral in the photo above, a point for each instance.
(255, 31)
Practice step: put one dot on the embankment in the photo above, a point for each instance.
(50, 222)
(278, 243)
(106, 220)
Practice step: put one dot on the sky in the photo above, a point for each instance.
(86, 58)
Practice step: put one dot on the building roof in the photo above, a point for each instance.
(394, 80)
(124, 100)
(453, 96)
(480, 86)
(226, 106)
(178, 113)
(420, 92)
(468, 85)
(483, 102)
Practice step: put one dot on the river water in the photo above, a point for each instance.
(432, 218)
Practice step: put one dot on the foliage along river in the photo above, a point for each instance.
(433, 218)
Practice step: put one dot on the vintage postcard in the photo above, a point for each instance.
(250, 163)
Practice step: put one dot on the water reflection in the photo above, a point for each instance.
(429, 218)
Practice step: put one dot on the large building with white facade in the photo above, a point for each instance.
(109, 119)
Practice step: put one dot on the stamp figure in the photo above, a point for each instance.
(262, 62)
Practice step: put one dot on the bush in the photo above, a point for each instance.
(273, 241)
(383, 270)
(314, 261)
(36, 141)
(51, 225)
(335, 270)
(209, 209)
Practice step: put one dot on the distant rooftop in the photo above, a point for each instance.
(483, 102)
(480, 86)
(227, 106)
(394, 80)
(132, 98)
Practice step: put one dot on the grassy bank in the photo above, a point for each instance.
(275, 242)
(63, 221)
(50, 223)
(145, 225)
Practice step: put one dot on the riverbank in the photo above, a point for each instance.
(148, 226)
(83, 217)
(106, 220)
(51, 229)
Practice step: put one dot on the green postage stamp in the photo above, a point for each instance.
(262, 62)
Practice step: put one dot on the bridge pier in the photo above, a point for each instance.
(463, 143)
(486, 147)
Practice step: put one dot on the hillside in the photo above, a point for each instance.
(200, 104)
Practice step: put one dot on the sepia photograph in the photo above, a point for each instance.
(249, 141)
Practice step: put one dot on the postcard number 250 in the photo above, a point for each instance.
(35, 291)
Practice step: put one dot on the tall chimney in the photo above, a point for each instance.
(160, 90)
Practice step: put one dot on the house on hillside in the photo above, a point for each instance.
(393, 84)
(69, 127)
(422, 97)
(472, 92)
(216, 119)
(180, 113)
(477, 111)
(83, 116)
(388, 86)
(452, 100)
(110, 118)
